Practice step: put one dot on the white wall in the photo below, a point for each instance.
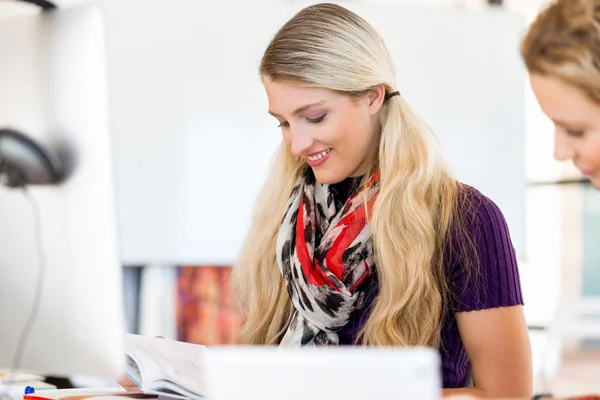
(192, 133)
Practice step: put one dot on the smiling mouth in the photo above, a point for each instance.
(587, 173)
(318, 156)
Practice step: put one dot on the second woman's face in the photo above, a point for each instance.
(577, 124)
(334, 133)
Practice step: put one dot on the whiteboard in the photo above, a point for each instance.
(193, 139)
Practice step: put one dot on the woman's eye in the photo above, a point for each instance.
(575, 132)
(283, 125)
(316, 120)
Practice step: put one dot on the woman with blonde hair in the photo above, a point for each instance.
(361, 236)
(562, 53)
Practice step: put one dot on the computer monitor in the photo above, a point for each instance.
(53, 87)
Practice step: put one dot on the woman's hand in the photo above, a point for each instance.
(128, 384)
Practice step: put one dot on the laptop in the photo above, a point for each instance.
(323, 373)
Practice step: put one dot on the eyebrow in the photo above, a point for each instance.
(559, 122)
(567, 123)
(301, 109)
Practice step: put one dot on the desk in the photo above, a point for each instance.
(120, 394)
(543, 398)
(95, 393)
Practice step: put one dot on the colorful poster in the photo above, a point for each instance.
(206, 311)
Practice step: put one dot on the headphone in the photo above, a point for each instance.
(23, 161)
(43, 4)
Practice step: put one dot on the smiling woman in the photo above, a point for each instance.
(562, 53)
(361, 234)
(577, 123)
(330, 130)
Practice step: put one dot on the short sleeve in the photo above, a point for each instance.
(490, 278)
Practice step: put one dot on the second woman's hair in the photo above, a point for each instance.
(564, 42)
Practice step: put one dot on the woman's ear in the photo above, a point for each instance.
(376, 98)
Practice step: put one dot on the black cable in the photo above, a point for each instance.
(41, 274)
(43, 4)
(39, 286)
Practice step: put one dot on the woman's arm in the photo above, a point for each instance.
(497, 344)
(465, 394)
(489, 312)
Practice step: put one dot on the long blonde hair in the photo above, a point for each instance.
(564, 42)
(328, 46)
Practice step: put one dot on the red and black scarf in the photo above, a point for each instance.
(324, 251)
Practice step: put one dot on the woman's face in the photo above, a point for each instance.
(577, 123)
(336, 134)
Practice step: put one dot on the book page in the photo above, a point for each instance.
(144, 362)
(167, 360)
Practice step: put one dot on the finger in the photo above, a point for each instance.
(127, 384)
(131, 387)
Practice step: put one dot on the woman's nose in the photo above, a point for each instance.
(301, 143)
(563, 151)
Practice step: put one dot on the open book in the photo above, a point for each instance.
(166, 367)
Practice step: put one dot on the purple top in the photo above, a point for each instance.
(497, 284)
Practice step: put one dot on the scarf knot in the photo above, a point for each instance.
(324, 252)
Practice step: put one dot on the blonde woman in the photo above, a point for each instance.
(562, 53)
(361, 235)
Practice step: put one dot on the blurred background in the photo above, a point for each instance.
(193, 140)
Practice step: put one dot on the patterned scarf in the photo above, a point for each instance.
(324, 252)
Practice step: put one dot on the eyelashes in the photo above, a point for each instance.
(316, 120)
(575, 133)
(309, 120)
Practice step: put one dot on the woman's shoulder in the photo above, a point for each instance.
(478, 218)
(490, 255)
(477, 208)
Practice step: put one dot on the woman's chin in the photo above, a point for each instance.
(328, 176)
(595, 180)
